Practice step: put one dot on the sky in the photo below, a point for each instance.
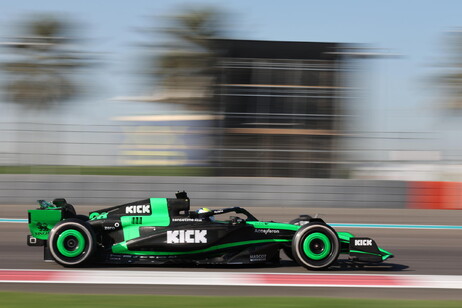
(395, 96)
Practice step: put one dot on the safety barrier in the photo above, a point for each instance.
(233, 191)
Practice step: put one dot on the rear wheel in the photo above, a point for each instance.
(72, 242)
(315, 246)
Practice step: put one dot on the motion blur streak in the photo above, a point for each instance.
(231, 279)
(269, 109)
(347, 225)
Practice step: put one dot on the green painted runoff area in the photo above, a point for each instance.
(38, 300)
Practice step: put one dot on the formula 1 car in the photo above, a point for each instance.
(165, 231)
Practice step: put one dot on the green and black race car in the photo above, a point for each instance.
(165, 231)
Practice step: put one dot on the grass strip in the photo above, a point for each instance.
(109, 170)
(39, 300)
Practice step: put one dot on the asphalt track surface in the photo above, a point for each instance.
(417, 252)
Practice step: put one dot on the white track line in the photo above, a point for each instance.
(231, 279)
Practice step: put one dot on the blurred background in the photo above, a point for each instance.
(255, 103)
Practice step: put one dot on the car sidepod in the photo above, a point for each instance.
(201, 241)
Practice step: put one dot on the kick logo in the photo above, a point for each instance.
(363, 242)
(186, 236)
(138, 209)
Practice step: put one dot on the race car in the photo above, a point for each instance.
(165, 231)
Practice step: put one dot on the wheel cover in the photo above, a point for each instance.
(70, 243)
(317, 246)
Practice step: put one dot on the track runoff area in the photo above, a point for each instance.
(230, 279)
(198, 278)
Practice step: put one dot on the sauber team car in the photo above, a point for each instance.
(165, 231)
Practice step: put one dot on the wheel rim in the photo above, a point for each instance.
(317, 246)
(70, 243)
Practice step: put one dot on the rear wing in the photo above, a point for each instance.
(44, 218)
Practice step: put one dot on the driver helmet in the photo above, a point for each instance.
(205, 210)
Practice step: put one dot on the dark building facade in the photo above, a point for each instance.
(280, 108)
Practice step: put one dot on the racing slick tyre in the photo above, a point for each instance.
(72, 242)
(299, 221)
(315, 246)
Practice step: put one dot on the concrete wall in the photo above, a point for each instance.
(205, 191)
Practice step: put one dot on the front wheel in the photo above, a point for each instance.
(72, 242)
(315, 246)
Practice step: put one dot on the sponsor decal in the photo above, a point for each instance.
(363, 242)
(260, 257)
(115, 226)
(41, 233)
(96, 215)
(138, 209)
(186, 236)
(42, 226)
(187, 219)
(266, 231)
